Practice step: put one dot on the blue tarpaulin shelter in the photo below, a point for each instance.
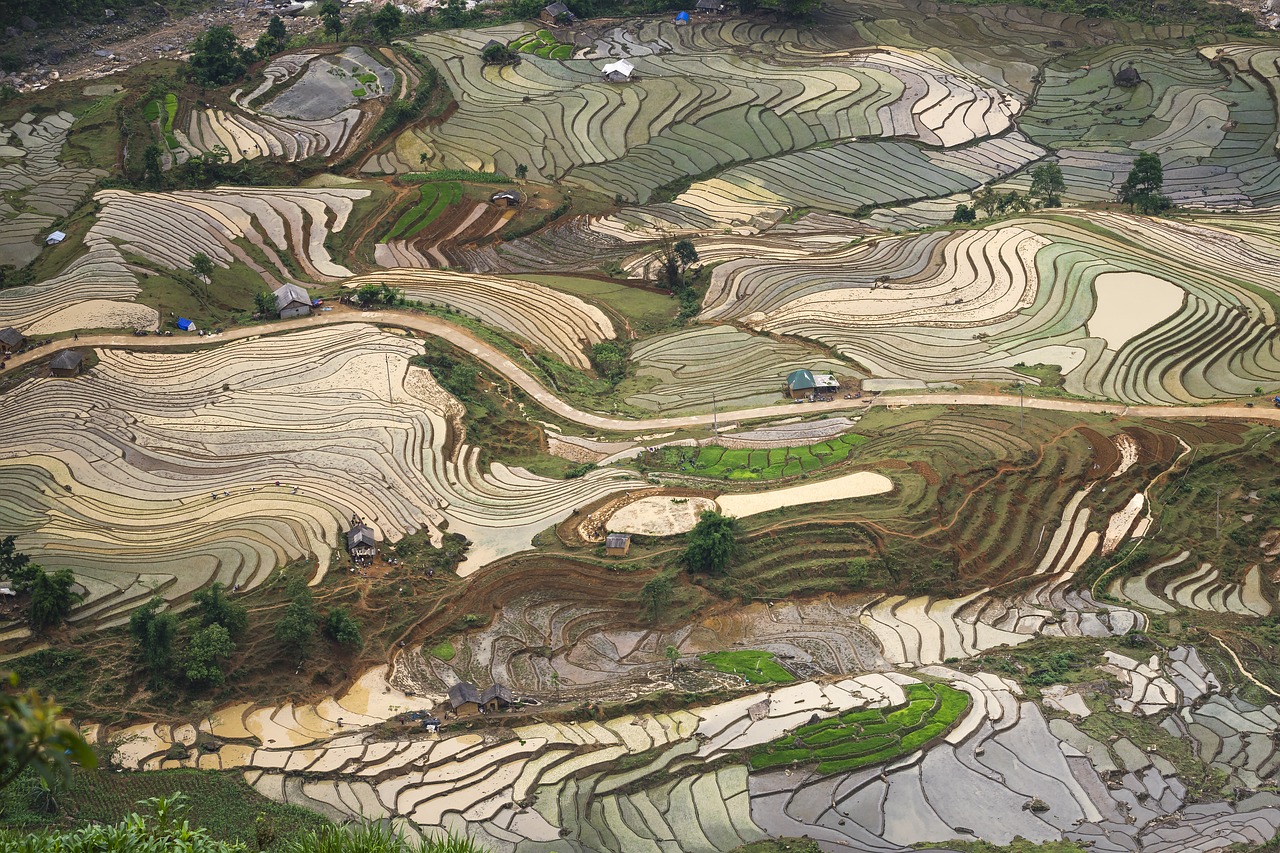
(185, 325)
(683, 18)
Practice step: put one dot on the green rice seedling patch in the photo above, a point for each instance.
(151, 112)
(433, 199)
(563, 51)
(846, 764)
(170, 110)
(861, 746)
(358, 93)
(740, 464)
(454, 175)
(755, 666)
(869, 736)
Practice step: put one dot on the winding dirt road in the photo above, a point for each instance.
(501, 363)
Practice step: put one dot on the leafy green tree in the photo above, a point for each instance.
(264, 303)
(454, 14)
(154, 632)
(964, 214)
(273, 40)
(331, 17)
(522, 171)
(795, 9)
(209, 649)
(216, 608)
(672, 655)
(1047, 185)
(656, 595)
(1142, 188)
(296, 630)
(341, 627)
(152, 166)
(52, 598)
(17, 566)
(986, 199)
(686, 253)
(33, 735)
(387, 21)
(496, 54)
(216, 59)
(713, 543)
(202, 264)
(610, 360)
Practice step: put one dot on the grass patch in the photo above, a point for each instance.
(646, 311)
(444, 651)
(867, 737)
(755, 666)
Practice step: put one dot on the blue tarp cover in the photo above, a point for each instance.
(683, 16)
(185, 325)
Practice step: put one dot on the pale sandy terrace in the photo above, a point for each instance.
(659, 515)
(857, 485)
(1129, 303)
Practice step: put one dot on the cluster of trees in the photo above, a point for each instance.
(673, 275)
(218, 58)
(499, 54)
(1142, 191)
(53, 595)
(200, 659)
(1047, 189)
(378, 294)
(199, 650)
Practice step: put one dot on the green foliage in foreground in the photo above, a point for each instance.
(871, 736)
(375, 838)
(755, 666)
(166, 829)
(220, 805)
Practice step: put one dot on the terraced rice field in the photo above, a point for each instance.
(1214, 130)
(36, 186)
(684, 112)
(314, 111)
(560, 323)
(972, 304)
(230, 225)
(862, 738)
(204, 466)
(684, 369)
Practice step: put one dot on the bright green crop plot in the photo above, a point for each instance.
(867, 737)
(432, 201)
(735, 464)
(755, 666)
